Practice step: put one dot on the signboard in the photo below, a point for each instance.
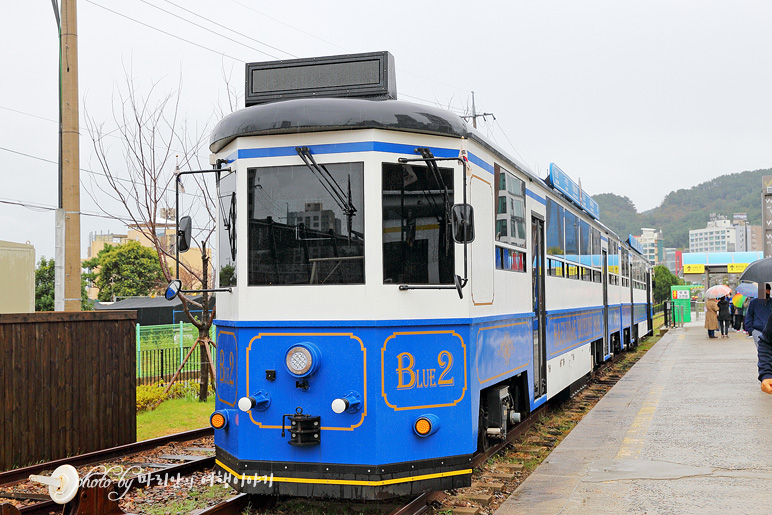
(679, 262)
(736, 268)
(766, 213)
(635, 244)
(355, 75)
(680, 294)
(589, 205)
(694, 269)
(563, 183)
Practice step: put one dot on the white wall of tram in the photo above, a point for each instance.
(370, 301)
(498, 292)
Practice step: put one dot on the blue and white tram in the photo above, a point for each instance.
(348, 366)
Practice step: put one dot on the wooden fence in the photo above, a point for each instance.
(68, 384)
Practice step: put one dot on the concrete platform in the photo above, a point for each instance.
(687, 430)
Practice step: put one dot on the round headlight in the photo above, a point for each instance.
(299, 360)
(302, 360)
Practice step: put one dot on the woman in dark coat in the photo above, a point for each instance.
(724, 316)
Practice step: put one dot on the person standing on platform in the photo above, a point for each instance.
(739, 315)
(765, 357)
(757, 315)
(724, 316)
(711, 317)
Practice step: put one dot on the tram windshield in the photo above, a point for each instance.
(306, 225)
(417, 240)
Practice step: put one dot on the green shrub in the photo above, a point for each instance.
(148, 396)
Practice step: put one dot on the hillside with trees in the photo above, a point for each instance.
(686, 209)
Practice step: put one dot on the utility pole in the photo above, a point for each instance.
(68, 214)
(474, 116)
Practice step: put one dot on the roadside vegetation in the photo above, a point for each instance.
(179, 410)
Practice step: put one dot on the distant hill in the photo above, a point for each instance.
(686, 209)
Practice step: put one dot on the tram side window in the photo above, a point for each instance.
(555, 267)
(597, 259)
(227, 232)
(509, 259)
(625, 268)
(613, 262)
(306, 226)
(555, 236)
(417, 242)
(571, 225)
(510, 208)
(585, 248)
(554, 228)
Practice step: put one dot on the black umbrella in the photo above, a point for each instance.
(759, 271)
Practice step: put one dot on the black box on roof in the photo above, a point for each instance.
(369, 75)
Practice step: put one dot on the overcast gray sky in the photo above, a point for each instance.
(633, 97)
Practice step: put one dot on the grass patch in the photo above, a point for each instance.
(174, 416)
(186, 501)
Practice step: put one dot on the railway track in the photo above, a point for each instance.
(14, 484)
(488, 477)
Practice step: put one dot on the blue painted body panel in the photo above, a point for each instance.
(569, 329)
(399, 373)
(614, 319)
(639, 313)
(626, 315)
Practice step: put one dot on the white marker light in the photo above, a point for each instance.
(246, 404)
(339, 405)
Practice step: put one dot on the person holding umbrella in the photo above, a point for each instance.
(764, 346)
(760, 271)
(757, 315)
(711, 307)
(711, 317)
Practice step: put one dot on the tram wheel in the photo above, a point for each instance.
(483, 443)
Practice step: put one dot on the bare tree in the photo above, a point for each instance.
(155, 141)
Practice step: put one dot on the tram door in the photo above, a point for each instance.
(539, 309)
(649, 321)
(606, 343)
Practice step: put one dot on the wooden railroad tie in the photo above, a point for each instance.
(499, 475)
(529, 449)
(495, 487)
(510, 467)
(465, 510)
(481, 499)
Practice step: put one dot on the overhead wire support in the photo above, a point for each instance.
(475, 115)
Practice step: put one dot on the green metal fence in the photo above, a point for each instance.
(162, 348)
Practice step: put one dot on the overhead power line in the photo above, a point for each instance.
(229, 29)
(208, 29)
(45, 207)
(246, 6)
(92, 172)
(165, 32)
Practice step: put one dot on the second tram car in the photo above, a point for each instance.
(402, 290)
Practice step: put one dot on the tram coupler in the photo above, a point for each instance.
(305, 430)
